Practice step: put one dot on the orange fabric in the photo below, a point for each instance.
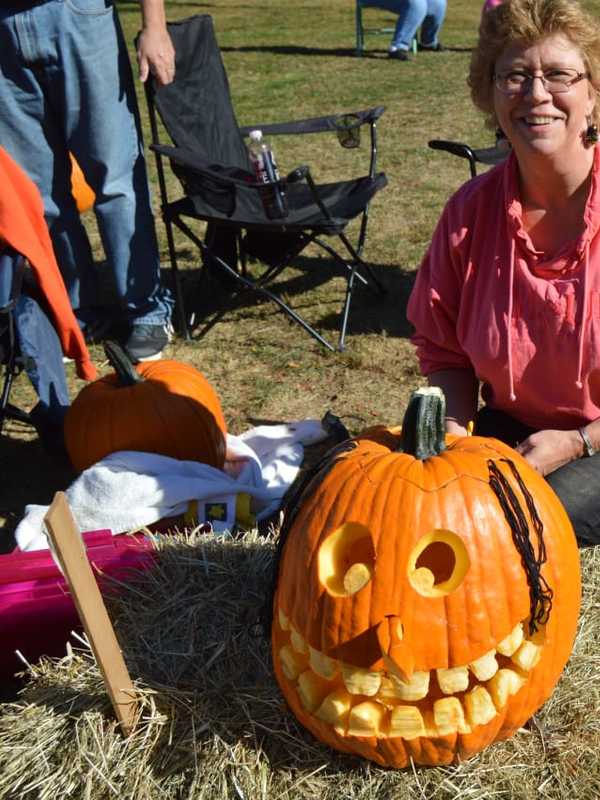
(23, 227)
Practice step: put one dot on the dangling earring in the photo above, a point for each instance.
(591, 136)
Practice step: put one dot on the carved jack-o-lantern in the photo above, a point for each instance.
(427, 594)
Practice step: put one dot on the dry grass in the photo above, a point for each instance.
(213, 724)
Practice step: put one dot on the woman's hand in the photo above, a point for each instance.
(549, 450)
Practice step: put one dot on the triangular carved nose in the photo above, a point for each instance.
(397, 655)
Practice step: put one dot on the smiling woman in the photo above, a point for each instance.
(507, 298)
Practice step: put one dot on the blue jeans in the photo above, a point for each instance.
(412, 15)
(576, 483)
(66, 85)
(38, 345)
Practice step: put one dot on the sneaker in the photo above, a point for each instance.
(430, 48)
(399, 55)
(147, 342)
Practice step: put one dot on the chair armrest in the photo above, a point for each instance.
(455, 148)
(491, 155)
(314, 124)
(218, 172)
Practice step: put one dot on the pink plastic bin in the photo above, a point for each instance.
(37, 612)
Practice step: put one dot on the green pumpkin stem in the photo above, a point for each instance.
(423, 427)
(122, 364)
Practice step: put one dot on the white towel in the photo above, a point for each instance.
(128, 490)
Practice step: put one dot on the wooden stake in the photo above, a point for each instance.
(70, 551)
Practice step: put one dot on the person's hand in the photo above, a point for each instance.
(548, 450)
(455, 428)
(156, 55)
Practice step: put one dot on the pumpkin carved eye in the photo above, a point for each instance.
(438, 564)
(346, 560)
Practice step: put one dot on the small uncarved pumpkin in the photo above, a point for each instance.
(427, 593)
(164, 407)
(80, 189)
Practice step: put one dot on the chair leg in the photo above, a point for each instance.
(250, 285)
(253, 286)
(183, 323)
(360, 38)
(367, 267)
(346, 308)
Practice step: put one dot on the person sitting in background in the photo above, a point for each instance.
(507, 297)
(428, 15)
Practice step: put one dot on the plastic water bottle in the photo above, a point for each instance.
(265, 168)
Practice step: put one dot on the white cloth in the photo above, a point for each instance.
(128, 490)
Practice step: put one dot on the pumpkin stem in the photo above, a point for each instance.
(423, 429)
(122, 364)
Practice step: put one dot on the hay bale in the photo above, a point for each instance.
(214, 725)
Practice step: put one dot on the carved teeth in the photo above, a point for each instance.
(327, 688)
(416, 689)
(298, 642)
(366, 719)
(321, 664)
(505, 683)
(449, 716)
(312, 690)
(407, 722)
(292, 663)
(284, 622)
(485, 667)
(361, 681)
(479, 706)
(512, 642)
(527, 656)
(453, 679)
(335, 707)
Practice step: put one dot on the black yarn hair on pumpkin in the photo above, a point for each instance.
(540, 593)
(290, 512)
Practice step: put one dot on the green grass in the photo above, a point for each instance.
(288, 61)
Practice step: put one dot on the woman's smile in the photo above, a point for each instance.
(535, 119)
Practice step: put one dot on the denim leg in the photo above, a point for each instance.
(30, 132)
(410, 15)
(434, 19)
(42, 355)
(576, 484)
(82, 85)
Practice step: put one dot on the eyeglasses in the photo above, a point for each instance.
(555, 81)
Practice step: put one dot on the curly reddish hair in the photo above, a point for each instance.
(530, 21)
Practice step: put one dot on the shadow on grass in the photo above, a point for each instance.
(209, 298)
(27, 475)
(343, 52)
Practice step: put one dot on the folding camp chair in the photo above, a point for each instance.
(361, 30)
(12, 270)
(490, 156)
(28, 342)
(212, 163)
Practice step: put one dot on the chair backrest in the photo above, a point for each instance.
(196, 107)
